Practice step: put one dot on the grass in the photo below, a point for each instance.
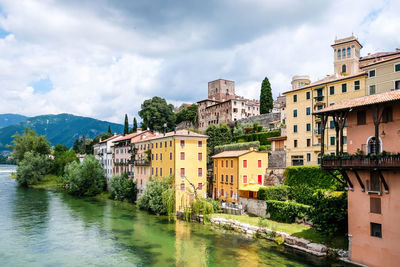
(294, 229)
(50, 181)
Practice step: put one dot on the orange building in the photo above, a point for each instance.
(373, 127)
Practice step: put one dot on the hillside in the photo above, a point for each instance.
(10, 119)
(59, 129)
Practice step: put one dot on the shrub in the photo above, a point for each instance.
(312, 176)
(302, 193)
(262, 148)
(32, 168)
(152, 198)
(238, 146)
(262, 137)
(279, 192)
(86, 178)
(123, 188)
(287, 211)
(329, 214)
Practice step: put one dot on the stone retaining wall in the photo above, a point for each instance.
(263, 119)
(254, 206)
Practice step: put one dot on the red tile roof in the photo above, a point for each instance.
(110, 138)
(379, 54)
(231, 154)
(181, 133)
(362, 101)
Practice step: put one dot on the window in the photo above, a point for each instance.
(397, 85)
(259, 179)
(295, 113)
(297, 160)
(295, 143)
(371, 73)
(200, 156)
(170, 155)
(295, 98)
(170, 143)
(356, 85)
(348, 52)
(182, 155)
(222, 192)
(160, 156)
(338, 54)
(156, 145)
(231, 193)
(182, 172)
(226, 164)
(200, 186)
(156, 156)
(372, 89)
(222, 163)
(397, 67)
(308, 157)
(332, 90)
(160, 144)
(259, 163)
(374, 184)
(308, 95)
(308, 127)
(245, 163)
(182, 143)
(376, 230)
(170, 171)
(345, 140)
(245, 179)
(375, 205)
(332, 124)
(332, 140)
(343, 52)
(200, 172)
(308, 111)
(344, 88)
(165, 144)
(200, 143)
(231, 179)
(308, 142)
(343, 68)
(387, 115)
(182, 186)
(222, 178)
(231, 163)
(361, 117)
(226, 178)
(161, 172)
(156, 171)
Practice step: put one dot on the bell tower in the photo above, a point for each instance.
(346, 56)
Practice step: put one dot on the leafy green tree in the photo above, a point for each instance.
(123, 188)
(109, 129)
(77, 146)
(126, 125)
(61, 159)
(29, 141)
(101, 136)
(134, 129)
(266, 101)
(32, 168)
(189, 113)
(86, 178)
(218, 135)
(155, 113)
(60, 148)
(152, 198)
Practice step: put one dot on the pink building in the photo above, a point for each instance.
(373, 128)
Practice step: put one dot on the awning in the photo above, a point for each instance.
(250, 187)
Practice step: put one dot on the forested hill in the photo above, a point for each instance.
(10, 119)
(59, 129)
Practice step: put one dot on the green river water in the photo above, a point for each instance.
(45, 228)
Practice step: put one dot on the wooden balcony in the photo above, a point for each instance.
(382, 163)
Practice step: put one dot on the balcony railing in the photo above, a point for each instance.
(142, 162)
(319, 98)
(363, 162)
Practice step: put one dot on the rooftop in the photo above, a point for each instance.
(182, 133)
(232, 154)
(110, 138)
(380, 54)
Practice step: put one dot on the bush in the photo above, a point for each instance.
(86, 178)
(261, 137)
(152, 198)
(287, 211)
(32, 168)
(279, 192)
(329, 214)
(123, 189)
(238, 146)
(302, 193)
(312, 176)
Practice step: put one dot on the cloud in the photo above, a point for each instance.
(104, 58)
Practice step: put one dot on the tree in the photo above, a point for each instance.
(266, 101)
(32, 168)
(77, 147)
(123, 188)
(134, 129)
(152, 198)
(82, 149)
(86, 178)
(218, 135)
(156, 113)
(109, 129)
(62, 159)
(29, 141)
(126, 125)
(189, 113)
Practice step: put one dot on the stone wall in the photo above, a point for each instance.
(277, 159)
(254, 206)
(263, 119)
(274, 176)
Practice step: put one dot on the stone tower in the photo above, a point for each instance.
(221, 90)
(346, 55)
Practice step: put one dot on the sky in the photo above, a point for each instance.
(103, 58)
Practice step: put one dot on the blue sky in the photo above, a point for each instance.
(104, 58)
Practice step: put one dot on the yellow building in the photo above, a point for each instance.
(303, 130)
(238, 174)
(181, 154)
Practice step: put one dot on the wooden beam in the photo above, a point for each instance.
(384, 182)
(359, 181)
(336, 177)
(346, 177)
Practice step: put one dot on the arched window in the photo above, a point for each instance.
(344, 52)
(374, 147)
(344, 68)
(348, 52)
(338, 53)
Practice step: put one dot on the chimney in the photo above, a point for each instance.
(251, 148)
(139, 130)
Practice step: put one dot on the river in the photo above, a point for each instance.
(45, 228)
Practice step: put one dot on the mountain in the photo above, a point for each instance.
(59, 129)
(9, 119)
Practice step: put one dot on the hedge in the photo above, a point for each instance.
(279, 192)
(312, 176)
(262, 137)
(287, 212)
(238, 146)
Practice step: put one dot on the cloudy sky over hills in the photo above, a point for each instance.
(103, 58)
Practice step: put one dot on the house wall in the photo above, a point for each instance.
(227, 170)
(385, 76)
(252, 171)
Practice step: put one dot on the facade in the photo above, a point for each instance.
(180, 154)
(103, 152)
(238, 174)
(224, 106)
(373, 182)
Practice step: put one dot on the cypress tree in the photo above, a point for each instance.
(126, 126)
(134, 129)
(109, 129)
(266, 101)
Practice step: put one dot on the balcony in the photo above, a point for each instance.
(319, 98)
(142, 162)
(361, 162)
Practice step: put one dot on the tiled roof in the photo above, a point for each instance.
(362, 101)
(184, 133)
(381, 60)
(231, 154)
(277, 138)
(110, 138)
(379, 54)
(128, 136)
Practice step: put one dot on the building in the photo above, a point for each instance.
(224, 106)
(103, 152)
(373, 124)
(181, 154)
(238, 174)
